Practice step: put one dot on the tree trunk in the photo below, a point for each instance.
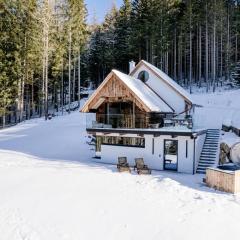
(175, 55)
(62, 88)
(79, 78)
(46, 76)
(206, 49)
(69, 69)
(74, 80)
(190, 48)
(214, 48)
(200, 57)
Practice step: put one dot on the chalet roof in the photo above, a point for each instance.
(150, 99)
(142, 92)
(166, 79)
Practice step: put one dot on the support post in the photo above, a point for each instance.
(133, 117)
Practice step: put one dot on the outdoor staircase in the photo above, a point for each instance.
(210, 151)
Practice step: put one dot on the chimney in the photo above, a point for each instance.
(132, 65)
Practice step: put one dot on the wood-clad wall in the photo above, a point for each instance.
(116, 91)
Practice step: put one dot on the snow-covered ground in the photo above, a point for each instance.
(219, 108)
(50, 189)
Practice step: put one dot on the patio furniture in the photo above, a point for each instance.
(141, 167)
(123, 165)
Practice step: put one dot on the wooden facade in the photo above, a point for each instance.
(117, 105)
(114, 90)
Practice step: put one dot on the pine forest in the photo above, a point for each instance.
(49, 52)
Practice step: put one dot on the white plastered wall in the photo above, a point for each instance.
(168, 94)
(154, 157)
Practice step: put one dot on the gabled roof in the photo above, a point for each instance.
(141, 91)
(160, 74)
(144, 93)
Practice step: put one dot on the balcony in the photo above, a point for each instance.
(137, 121)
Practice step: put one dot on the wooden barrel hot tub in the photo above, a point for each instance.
(224, 180)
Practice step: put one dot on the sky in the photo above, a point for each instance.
(100, 7)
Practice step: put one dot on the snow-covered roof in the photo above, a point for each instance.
(168, 80)
(141, 91)
(150, 99)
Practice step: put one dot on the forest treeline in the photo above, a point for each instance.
(41, 43)
(47, 49)
(196, 42)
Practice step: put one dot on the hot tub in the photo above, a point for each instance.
(229, 167)
(224, 178)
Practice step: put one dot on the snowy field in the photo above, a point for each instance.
(50, 189)
(219, 108)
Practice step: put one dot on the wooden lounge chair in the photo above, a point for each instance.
(141, 167)
(123, 165)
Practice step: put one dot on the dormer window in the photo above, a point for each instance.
(143, 76)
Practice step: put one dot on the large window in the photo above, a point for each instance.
(119, 141)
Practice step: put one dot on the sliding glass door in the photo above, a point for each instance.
(171, 155)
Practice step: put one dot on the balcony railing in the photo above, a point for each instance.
(131, 121)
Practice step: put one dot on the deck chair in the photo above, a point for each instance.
(141, 167)
(123, 165)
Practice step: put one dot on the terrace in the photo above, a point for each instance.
(138, 121)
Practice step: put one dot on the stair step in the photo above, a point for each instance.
(208, 156)
(206, 162)
(210, 145)
(210, 150)
(212, 137)
(204, 158)
(207, 151)
(201, 171)
(214, 148)
(211, 140)
(204, 166)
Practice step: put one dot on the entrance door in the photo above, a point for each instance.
(171, 155)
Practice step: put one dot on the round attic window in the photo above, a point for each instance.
(143, 76)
